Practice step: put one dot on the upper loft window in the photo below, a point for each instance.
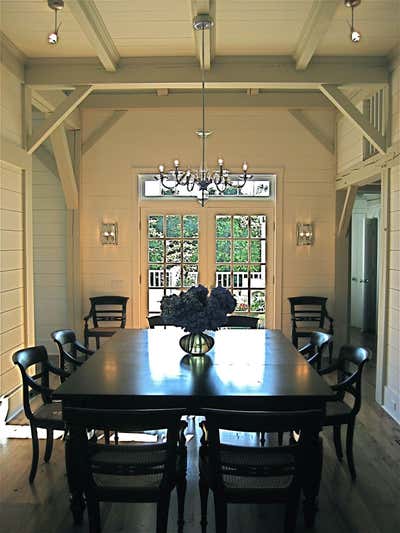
(374, 109)
(259, 186)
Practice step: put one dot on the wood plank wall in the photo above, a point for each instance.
(11, 242)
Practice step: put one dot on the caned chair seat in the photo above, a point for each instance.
(104, 331)
(50, 414)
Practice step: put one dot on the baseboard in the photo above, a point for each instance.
(391, 403)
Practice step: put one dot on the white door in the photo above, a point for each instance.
(357, 269)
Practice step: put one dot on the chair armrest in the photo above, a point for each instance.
(87, 317)
(82, 348)
(181, 434)
(328, 369)
(58, 371)
(41, 389)
(72, 360)
(313, 359)
(305, 349)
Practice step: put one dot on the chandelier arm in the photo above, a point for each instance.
(163, 183)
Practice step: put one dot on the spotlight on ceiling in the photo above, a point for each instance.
(56, 6)
(355, 35)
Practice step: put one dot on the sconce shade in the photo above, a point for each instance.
(109, 233)
(304, 234)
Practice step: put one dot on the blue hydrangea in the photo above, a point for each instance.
(196, 310)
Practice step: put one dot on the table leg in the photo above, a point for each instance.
(311, 477)
(75, 447)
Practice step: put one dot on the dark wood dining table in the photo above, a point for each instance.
(255, 370)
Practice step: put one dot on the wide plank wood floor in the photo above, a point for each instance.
(371, 505)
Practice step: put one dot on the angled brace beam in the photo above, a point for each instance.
(318, 21)
(65, 167)
(58, 116)
(204, 7)
(349, 110)
(89, 19)
(313, 130)
(104, 127)
(48, 101)
(347, 210)
(47, 159)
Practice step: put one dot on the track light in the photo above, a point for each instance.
(56, 6)
(355, 35)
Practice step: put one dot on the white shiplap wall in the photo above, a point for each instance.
(49, 254)
(12, 309)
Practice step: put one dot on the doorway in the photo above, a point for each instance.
(364, 261)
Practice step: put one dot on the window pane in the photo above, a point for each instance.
(223, 226)
(174, 226)
(173, 249)
(190, 226)
(240, 251)
(255, 251)
(223, 276)
(242, 300)
(257, 301)
(156, 251)
(240, 276)
(191, 251)
(190, 275)
(258, 226)
(240, 226)
(155, 226)
(173, 276)
(223, 251)
(156, 276)
(155, 296)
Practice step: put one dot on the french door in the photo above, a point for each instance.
(184, 245)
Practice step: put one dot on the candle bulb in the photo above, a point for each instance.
(176, 163)
(161, 169)
(220, 162)
(245, 166)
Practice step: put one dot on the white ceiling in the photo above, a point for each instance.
(163, 28)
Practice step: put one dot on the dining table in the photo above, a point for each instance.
(249, 370)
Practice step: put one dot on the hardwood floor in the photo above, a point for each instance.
(371, 505)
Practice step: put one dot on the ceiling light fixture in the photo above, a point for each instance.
(355, 35)
(56, 6)
(202, 178)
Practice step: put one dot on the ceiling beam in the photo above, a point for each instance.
(316, 26)
(89, 19)
(204, 7)
(236, 72)
(104, 127)
(48, 101)
(313, 129)
(56, 118)
(281, 99)
(345, 217)
(65, 167)
(349, 110)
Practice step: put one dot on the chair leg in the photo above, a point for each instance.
(35, 453)
(203, 489)
(220, 514)
(49, 445)
(107, 436)
(330, 352)
(93, 509)
(280, 438)
(97, 343)
(349, 449)
(291, 511)
(162, 513)
(262, 438)
(181, 492)
(86, 340)
(337, 439)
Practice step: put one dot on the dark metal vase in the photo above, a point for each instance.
(196, 343)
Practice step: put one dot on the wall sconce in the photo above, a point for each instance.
(109, 233)
(305, 234)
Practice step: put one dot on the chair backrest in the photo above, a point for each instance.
(62, 338)
(315, 348)
(108, 309)
(307, 421)
(309, 309)
(350, 364)
(164, 455)
(156, 320)
(25, 359)
(241, 321)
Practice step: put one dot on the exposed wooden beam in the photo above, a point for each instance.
(317, 23)
(48, 101)
(349, 110)
(14, 155)
(102, 130)
(347, 210)
(282, 99)
(253, 92)
(204, 7)
(89, 19)
(313, 129)
(65, 167)
(11, 57)
(162, 92)
(58, 116)
(228, 72)
(47, 159)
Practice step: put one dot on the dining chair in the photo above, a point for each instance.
(243, 474)
(47, 415)
(241, 321)
(105, 309)
(133, 473)
(308, 314)
(155, 321)
(348, 367)
(314, 350)
(70, 349)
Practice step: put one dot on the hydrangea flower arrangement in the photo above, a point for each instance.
(195, 310)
